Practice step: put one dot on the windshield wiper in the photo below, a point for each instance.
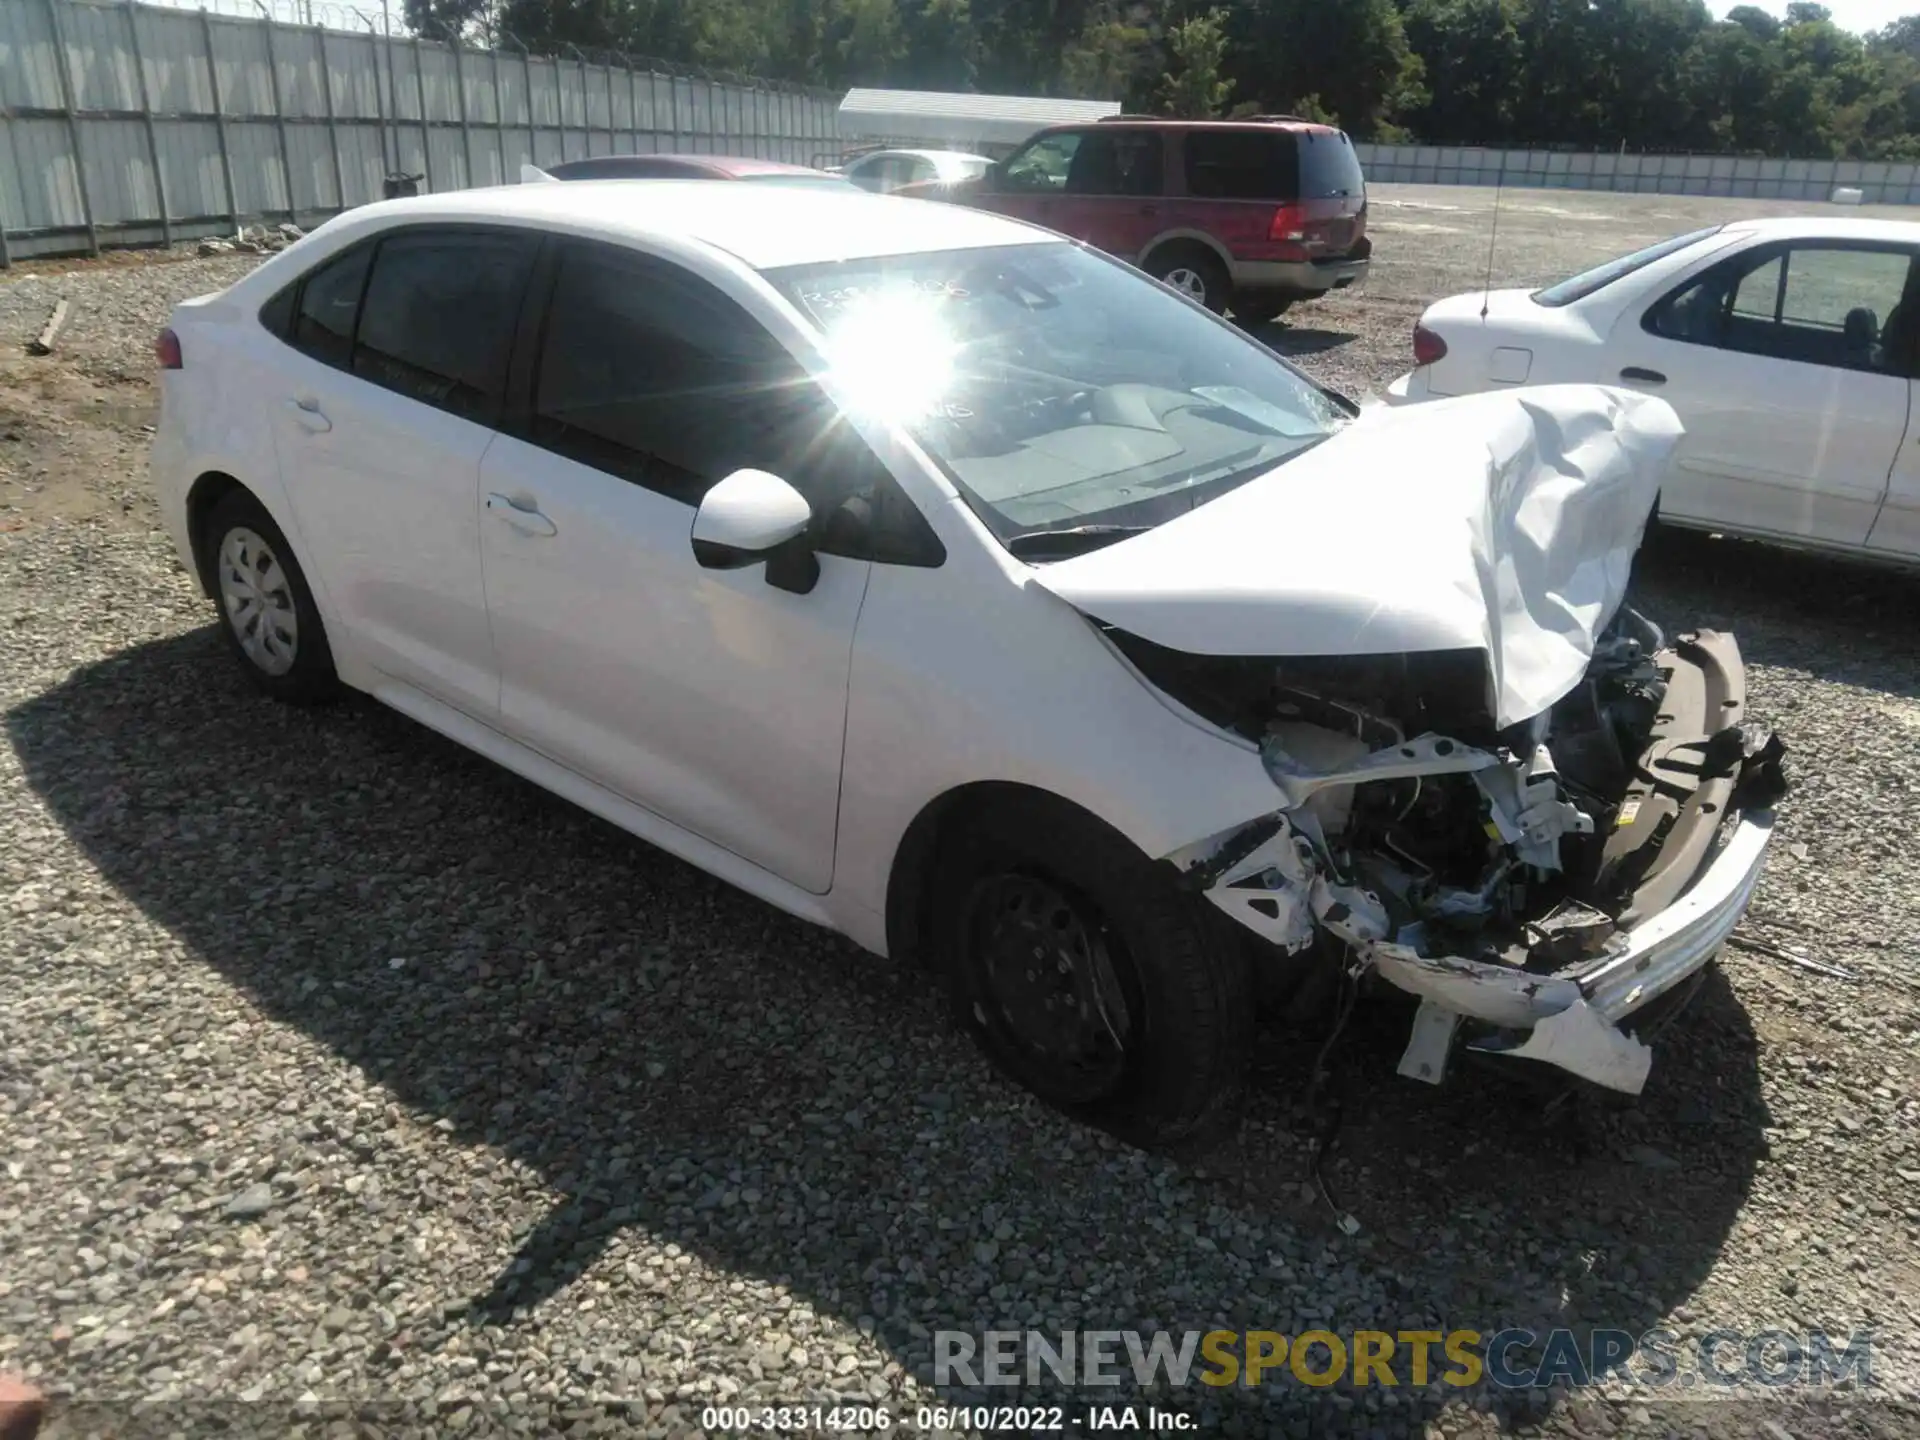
(1070, 540)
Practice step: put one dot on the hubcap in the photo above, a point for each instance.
(1188, 281)
(1052, 985)
(258, 601)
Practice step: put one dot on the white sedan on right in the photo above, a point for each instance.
(1789, 349)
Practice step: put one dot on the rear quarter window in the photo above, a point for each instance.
(1242, 164)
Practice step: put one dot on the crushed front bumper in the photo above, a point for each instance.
(1579, 1018)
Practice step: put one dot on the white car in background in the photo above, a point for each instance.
(884, 171)
(1790, 350)
(944, 581)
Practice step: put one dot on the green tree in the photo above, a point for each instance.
(1192, 86)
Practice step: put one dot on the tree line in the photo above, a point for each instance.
(1639, 75)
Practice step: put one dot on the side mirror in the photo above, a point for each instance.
(753, 516)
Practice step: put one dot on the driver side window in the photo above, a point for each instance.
(649, 373)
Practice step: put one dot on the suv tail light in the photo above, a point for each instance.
(166, 349)
(1427, 346)
(1289, 224)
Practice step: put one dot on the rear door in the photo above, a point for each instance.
(1113, 190)
(383, 407)
(1795, 406)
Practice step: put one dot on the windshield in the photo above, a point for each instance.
(1060, 391)
(1587, 281)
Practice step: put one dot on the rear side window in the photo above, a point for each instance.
(439, 317)
(1242, 165)
(1329, 170)
(329, 305)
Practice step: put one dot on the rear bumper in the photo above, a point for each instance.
(1299, 277)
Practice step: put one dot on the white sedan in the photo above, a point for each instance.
(1789, 349)
(945, 582)
(883, 171)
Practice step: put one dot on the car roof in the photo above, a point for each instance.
(766, 226)
(1835, 227)
(934, 155)
(1287, 125)
(733, 165)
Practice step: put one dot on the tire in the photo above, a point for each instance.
(1194, 272)
(1259, 308)
(281, 644)
(1176, 991)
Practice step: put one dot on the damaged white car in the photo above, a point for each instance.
(947, 583)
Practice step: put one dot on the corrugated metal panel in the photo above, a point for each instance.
(443, 94)
(29, 75)
(100, 56)
(176, 61)
(301, 68)
(940, 115)
(190, 159)
(240, 60)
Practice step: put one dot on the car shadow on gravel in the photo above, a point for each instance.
(674, 1057)
(1293, 340)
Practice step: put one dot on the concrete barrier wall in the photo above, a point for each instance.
(126, 124)
(1748, 177)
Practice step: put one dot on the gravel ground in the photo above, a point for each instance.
(346, 1080)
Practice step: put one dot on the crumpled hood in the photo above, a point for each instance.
(1505, 522)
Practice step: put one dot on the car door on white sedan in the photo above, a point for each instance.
(1795, 402)
(713, 697)
(382, 407)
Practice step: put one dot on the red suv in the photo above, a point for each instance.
(1254, 214)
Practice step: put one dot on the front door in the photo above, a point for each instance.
(382, 410)
(707, 696)
(1794, 403)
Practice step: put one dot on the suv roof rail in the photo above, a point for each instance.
(1282, 119)
(1104, 119)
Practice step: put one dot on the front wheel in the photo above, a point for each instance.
(1089, 977)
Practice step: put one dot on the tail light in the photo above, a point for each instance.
(1289, 224)
(1427, 346)
(166, 349)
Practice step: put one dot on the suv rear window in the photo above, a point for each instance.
(1329, 170)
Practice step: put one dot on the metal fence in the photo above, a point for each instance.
(1749, 177)
(128, 124)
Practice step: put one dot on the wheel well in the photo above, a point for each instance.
(1180, 245)
(909, 887)
(207, 491)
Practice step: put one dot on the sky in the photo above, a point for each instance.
(1859, 15)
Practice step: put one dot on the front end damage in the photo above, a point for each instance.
(1540, 886)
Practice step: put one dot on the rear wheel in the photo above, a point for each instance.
(1194, 272)
(1089, 977)
(266, 609)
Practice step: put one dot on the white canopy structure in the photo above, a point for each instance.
(935, 117)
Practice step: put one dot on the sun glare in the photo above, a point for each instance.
(894, 351)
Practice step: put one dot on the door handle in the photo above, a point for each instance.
(1149, 209)
(525, 517)
(1644, 376)
(311, 417)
